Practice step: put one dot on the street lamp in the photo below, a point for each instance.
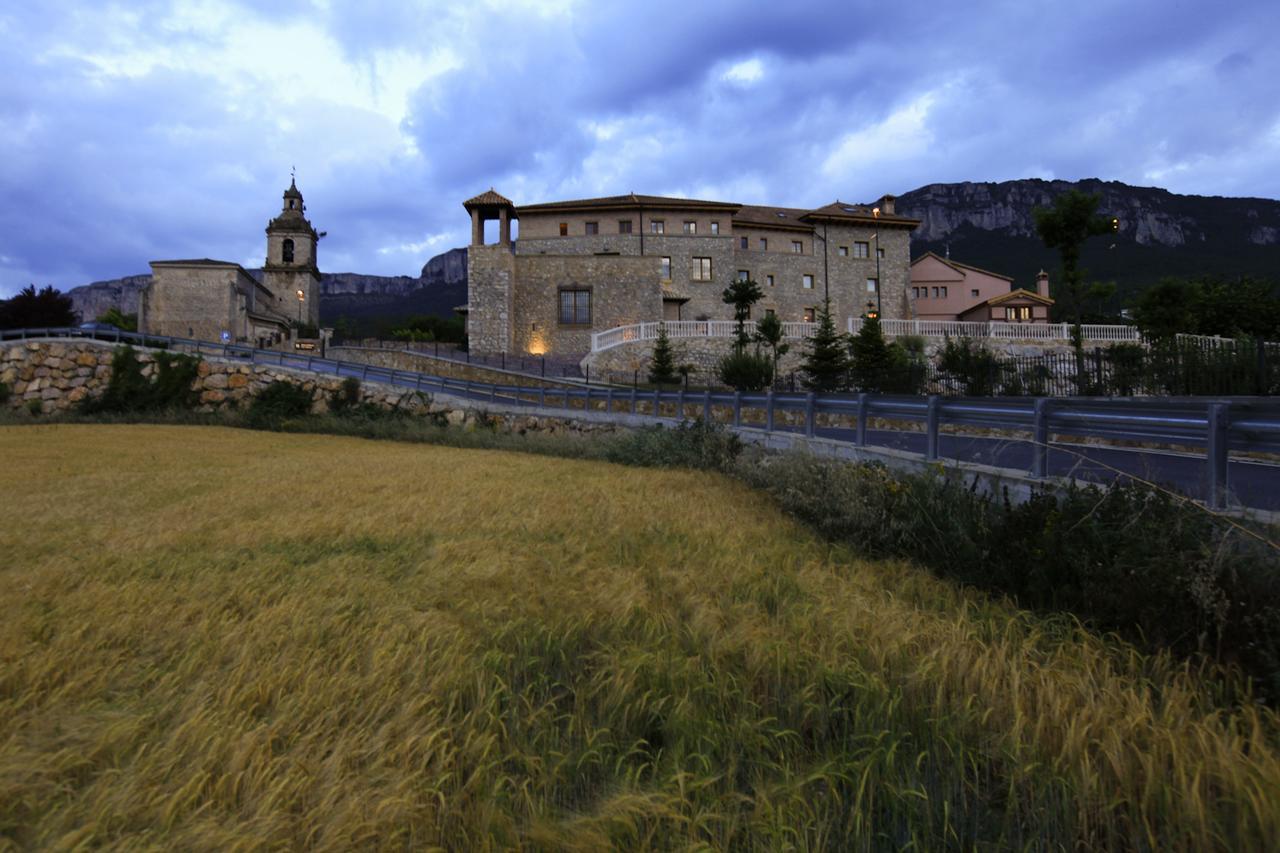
(301, 298)
(875, 212)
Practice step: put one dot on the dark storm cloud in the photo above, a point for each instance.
(157, 130)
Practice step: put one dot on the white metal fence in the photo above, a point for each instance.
(892, 328)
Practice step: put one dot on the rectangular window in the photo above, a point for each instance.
(808, 282)
(564, 229)
(624, 226)
(809, 314)
(657, 226)
(593, 228)
(744, 275)
(715, 227)
(1014, 315)
(666, 269)
(861, 250)
(700, 269)
(973, 293)
(742, 243)
(1010, 315)
(915, 293)
(764, 244)
(935, 293)
(797, 246)
(879, 252)
(690, 227)
(769, 279)
(575, 307)
(843, 251)
(944, 292)
(871, 285)
(769, 312)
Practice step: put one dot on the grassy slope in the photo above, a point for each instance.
(212, 637)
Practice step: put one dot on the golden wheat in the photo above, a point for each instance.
(223, 639)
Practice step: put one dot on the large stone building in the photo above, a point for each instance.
(585, 266)
(219, 301)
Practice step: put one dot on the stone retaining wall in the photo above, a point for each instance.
(400, 359)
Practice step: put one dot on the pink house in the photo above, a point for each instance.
(943, 289)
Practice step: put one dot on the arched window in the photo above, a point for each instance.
(286, 251)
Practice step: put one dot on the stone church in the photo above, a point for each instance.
(212, 300)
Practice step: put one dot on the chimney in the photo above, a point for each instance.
(1042, 284)
(886, 204)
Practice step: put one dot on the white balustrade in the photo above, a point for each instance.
(891, 328)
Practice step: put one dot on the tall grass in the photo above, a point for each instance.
(215, 638)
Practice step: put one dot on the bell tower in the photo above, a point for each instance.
(290, 272)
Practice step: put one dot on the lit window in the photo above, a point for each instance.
(575, 307)
(764, 244)
(700, 269)
(715, 227)
(797, 246)
(564, 229)
(871, 285)
(808, 282)
(744, 275)
(769, 279)
(657, 226)
(691, 227)
(593, 228)
(809, 314)
(666, 268)
(624, 226)
(742, 243)
(843, 251)
(861, 250)
(1014, 315)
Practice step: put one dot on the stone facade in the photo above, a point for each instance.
(798, 257)
(216, 300)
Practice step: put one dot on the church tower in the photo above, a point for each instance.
(290, 272)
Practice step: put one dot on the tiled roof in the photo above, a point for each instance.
(488, 197)
(630, 200)
(771, 217)
(959, 267)
(862, 213)
(198, 262)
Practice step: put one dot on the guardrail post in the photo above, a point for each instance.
(860, 432)
(364, 371)
(608, 400)
(1219, 423)
(768, 411)
(680, 404)
(542, 396)
(931, 428)
(493, 393)
(633, 399)
(657, 402)
(737, 408)
(809, 416)
(1040, 438)
(706, 406)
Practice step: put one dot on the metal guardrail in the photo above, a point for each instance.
(1216, 426)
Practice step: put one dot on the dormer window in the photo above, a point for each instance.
(286, 248)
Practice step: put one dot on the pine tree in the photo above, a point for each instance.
(871, 357)
(662, 369)
(826, 364)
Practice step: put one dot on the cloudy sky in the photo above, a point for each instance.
(150, 129)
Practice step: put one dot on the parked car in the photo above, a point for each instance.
(97, 328)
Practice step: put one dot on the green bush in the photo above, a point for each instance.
(746, 371)
(689, 444)
(1126, 558)
(346, 397)
(279, 402)
(170, 387)
(971, 365)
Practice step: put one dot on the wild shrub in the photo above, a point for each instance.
(689, 444)
(172, 385)
(346, 396)
(971, 365)
(35, 408)
(1125, 558)
(279, 402)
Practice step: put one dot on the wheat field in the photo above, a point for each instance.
(233, 640)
